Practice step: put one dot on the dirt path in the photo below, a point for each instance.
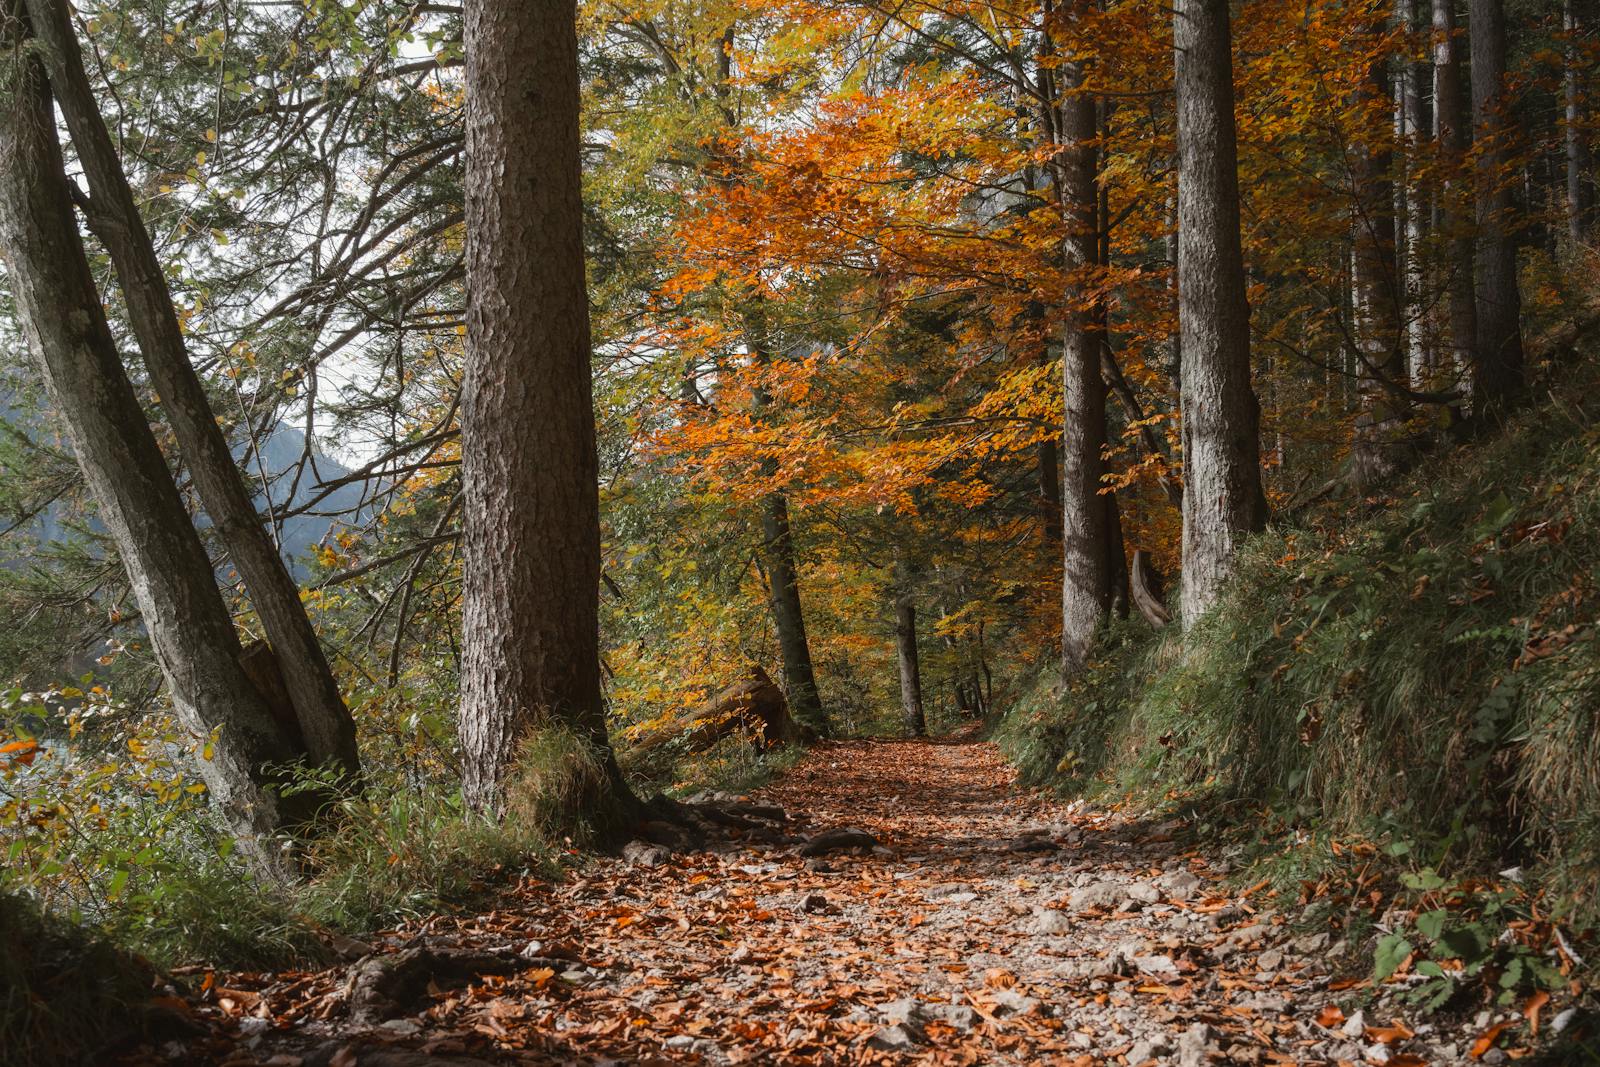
(988, 926)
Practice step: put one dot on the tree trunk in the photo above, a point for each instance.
(1376, 290)
(905, 641)
(325, 722)
(1409, 127)
(1222, 495)
(530, 514)
(778, 556)
(1498, 380)
(59, 310)
(1453, 134)
(1086, 577)
(1579, 198)
(1049, 457)
(788, 615)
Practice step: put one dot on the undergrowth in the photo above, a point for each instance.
(1422, 680)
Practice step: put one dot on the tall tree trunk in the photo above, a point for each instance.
(1498, 375)
(64, 324)
(1579, 197)
(1409, 206)
(905, 642)
(779, 560)
(1376, 297)
(325, 723)
(1453, 133)
(1222, 495)
(788, 615)
(530, 513)
(1086, 578)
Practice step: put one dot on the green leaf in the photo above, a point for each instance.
(1430, 924)
(1391, 953)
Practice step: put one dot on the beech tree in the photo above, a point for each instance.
(1222, 495)
(65, 327)
(530, 509)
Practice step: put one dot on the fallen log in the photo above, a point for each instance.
(754, 706)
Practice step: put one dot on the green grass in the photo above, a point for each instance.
(1425, 676)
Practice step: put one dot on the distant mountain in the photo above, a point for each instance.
(283, 453)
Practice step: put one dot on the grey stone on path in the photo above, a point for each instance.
(900, 1038)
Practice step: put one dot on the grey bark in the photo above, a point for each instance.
(1376, 297)
(64, 324)
(1222, 496)
(905, 643)
(325, 723)
(1086, 576)
(530, 511)
(1498, 372)
(1580, 205)
(1409, 206)
(1453, 134)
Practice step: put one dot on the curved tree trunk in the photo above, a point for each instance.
(65, 327)
(1498, 380)
(530, 602)
(325, 722)
(1222, 495)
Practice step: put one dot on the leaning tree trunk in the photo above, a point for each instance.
(1086, 575)
(1453, 134)
(325, 723)
(530, 512)
(64, 324)
(1498, 373)
(1579, 198)
(1222, 495)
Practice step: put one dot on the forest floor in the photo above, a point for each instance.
(988, 925)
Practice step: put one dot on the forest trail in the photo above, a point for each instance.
(988, 926)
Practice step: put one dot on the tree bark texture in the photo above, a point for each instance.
(67, 335)
(1222, 498)
(1580, 196)
(1452, 131)
(530, 601)
(788, 614)
(1498, 373)
(325, 722)
(905, 641)
(1086, 575)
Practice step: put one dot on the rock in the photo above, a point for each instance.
(1195, 1045)
(1147, 1049)
(900, 1012)
(1311, 944)
(680, 1042)
(960, 898)
(1181, 885)
(899, 1038)
(740, 954)
(1159, 965)
(1355, 1027)
(1050, 921)
(1143, 892)
(1010, 1002)
(644, 854)
(820, 866)
(837, 841)
(1495, 1056)
(1098, 895)
(1270, 960)
(382, 987)
(957, 1015)
(1563, 1020)
(1378, 1054)
(815, 904)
